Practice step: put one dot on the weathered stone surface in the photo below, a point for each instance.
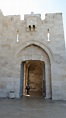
(32, 46)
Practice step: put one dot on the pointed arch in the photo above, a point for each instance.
(38, 44)
(40, 52)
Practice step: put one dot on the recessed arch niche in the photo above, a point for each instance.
(34, 56)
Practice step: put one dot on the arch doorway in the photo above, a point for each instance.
(37, 74)
(35, 71)
(34, 77)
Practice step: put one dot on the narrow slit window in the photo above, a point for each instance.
(33, 27)
(17, 35)
(30, 27)
(48, 35)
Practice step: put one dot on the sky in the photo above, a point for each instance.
(21, 7)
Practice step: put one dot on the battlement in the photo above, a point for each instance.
(35, 28)
(1, 13)
(33, 17)
(13, 17)
(32, 51)
(53, 16)
(32, 21)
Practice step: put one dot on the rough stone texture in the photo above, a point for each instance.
(35, 77)
(32, 45)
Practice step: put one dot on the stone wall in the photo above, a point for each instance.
(32, 31)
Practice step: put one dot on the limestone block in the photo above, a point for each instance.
(33, 46)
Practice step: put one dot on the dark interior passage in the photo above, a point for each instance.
(34, 76)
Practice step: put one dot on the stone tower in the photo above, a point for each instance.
(32, 51)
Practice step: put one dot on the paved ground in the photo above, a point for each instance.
(32, 108)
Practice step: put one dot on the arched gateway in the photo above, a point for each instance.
(32, 51)
(35, 70)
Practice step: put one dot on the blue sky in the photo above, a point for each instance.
(22, 7)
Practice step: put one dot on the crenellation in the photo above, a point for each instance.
(33, 48)
(13, 18)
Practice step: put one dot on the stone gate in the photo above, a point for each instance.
(33, 51)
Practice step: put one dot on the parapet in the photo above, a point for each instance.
(1, 13)
(52, 16)
(32, 21)
(13, 17)
(32, 15)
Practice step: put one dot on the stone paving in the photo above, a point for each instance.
(28, 107)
